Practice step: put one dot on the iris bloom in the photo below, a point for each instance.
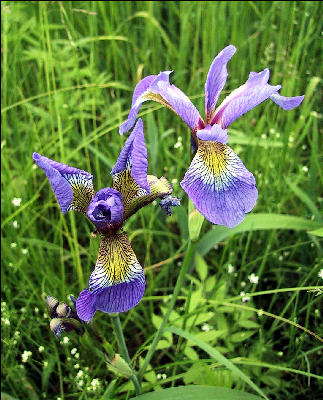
(218, 183)
(117, 282)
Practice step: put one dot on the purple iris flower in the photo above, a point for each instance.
(117, 282)
(218, 183)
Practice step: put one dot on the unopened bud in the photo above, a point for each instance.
(63, 310)
(57, 325)
(119, 366)
(52, 303)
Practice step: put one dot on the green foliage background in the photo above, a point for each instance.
(68, 72)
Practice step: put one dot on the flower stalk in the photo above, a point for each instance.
(181, 278)
(115, 320)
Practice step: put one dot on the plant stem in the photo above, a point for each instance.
(123, 349)
(178, 286)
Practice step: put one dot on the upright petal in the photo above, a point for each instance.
(73, 187)
(117, 282)
(220, 186)
(241, 100)
(161, 91)
(133, 156)
(215, 81)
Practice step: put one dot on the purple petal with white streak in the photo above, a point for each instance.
(220, 186)
(65, 182)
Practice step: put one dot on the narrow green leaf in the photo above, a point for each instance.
(195, 221)
(254, 222)
(217, 356)
(197, 392)
(317, 232)
(201, 267)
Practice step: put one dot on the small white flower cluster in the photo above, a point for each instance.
(41, 349)
(230, 268)
(74, 352)
(95, 384)
(161, 376)
(15, 224)
(16, 201)
(179, 143)
(25, 355)
(244, 297)
(206, 327)
(320, 274)
(66, 340)
(253, 278)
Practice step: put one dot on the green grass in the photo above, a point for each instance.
(68, 72)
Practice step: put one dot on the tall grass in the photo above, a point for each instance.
(68, 72)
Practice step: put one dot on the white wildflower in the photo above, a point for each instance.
(45, 364)
(263, 136)
(206, 327)
(230, 268)
(244, 297)
(280, 353)
(305, 168)
(74, 351)
(77, 366)
(25, 355)
(80, 383)
(253, 278)
(174, 181)
(6, 321)
(15, 224)
(65, 339)
(16, 201)
(77, 356)
(321, 273)
(243, 284)
(24, 251)
(41, 349)
(13, 245)
(79, 374)
(177, 145)
(95, 383)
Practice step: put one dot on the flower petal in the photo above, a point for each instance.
(116, 263)
(134, 197)
(133, 156)
(286, 103)
(73, 187)
(246, 97)
(213, 133)
(106, 210)
(220, 186)
(112, 299)
(216, 79)
(161, 91)
(117, 282)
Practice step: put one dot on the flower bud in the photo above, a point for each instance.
(119, 366)
(52, 304)
(63, 310)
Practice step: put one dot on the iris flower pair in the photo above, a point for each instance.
(219, 185)
(117, 282)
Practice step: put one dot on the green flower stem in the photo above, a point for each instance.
(180, 280)
(123, 349)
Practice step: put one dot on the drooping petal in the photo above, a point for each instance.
(106, 210)
(117, 282)
(220, 186)
(133, 156)
(161, 91)
(112, 299)
(216, 79)
(213, 133)
(73, 187)
(246, 97)
(286, 103)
